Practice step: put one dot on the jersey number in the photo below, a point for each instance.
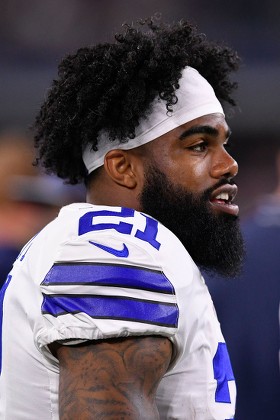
(149, 234)
(222, 373)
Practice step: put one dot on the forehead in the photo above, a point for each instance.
(211, 123)
(215, 121)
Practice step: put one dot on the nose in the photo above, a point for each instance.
(224, 165)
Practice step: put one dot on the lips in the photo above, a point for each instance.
(222, 198)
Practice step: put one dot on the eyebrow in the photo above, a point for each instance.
(202, 129)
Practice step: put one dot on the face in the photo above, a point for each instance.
(189, 188)
(194, 156)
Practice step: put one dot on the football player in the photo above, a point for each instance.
(105, 313)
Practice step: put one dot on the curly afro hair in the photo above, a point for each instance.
(111, 87)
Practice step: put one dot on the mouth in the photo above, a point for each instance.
(222, 199)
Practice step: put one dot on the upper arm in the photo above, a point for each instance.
(116, 379)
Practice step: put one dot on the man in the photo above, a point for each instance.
(105, 314)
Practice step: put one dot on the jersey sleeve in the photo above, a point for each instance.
(105, 285)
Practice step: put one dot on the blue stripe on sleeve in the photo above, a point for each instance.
(108, 275)
(108, 307)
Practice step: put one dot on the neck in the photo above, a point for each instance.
(111, 194)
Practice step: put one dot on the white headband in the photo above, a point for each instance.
(196, 98)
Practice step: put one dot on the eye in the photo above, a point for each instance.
(200, 147)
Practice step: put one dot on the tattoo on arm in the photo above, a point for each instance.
(113, 379)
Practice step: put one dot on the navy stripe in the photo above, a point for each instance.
(108, 307)
(108, 275)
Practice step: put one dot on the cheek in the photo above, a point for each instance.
(182, 169)
(193, 175)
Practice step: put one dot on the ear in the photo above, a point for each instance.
(119, 166)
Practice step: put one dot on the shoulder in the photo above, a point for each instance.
(85, 222)
(122, 236)
(116, 265)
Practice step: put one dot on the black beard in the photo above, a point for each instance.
(214, 241)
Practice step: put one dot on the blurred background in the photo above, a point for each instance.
(35, 35)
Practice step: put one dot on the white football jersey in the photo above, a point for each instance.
(98, 272)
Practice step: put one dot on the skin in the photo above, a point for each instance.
(118, 378)
(193, 156)
(114, 379)
(195, 160)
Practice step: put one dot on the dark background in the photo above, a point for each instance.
(35, 35)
